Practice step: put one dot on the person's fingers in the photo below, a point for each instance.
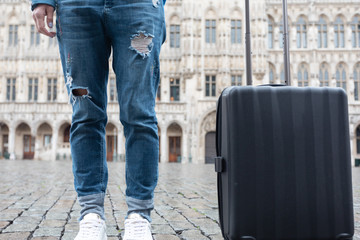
(39, 17)
(35, 20)
(49, 17)
(42, 28)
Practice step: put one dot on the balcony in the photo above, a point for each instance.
(170, 107)
(31, 107)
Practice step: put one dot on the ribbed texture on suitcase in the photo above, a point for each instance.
(287, 168)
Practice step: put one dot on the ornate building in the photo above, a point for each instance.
(204, 53)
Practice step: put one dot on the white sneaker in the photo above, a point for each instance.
(92, 227)
(137, 228)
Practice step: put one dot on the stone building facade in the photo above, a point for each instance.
(204, 53)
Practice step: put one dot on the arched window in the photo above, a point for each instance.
(270, 33)
(324, 75)
(358, 140)
(322, 33)
(271, 73)
(341, 76)
(355, 29)
(210, 31)
(235, 31)
(175, 35)
(339, 33)
(67, 134)
(303, 76)
(356, 81)
(301, 35)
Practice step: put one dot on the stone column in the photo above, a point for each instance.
(194, 143)
(163, 141)
(54, 143)
(185, 155)
(120, 143)
(37, 144)
(12, 142)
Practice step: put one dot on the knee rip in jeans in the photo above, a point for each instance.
(79, 92)
(141, 42)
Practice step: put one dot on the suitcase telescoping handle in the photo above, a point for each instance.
(285, 44)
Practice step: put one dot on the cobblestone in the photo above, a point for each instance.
(38, 201)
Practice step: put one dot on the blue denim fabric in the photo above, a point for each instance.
(87, 30)
(34, 3)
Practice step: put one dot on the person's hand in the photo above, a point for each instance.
(39, 14)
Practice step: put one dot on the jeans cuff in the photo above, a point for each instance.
(93, 203)
(142, 207)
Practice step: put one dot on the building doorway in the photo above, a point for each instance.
(29, 147)
(174, 149)
(67, 134)
(5, 147)
(111, 146)
(174, 136)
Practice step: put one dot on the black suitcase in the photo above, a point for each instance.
(284, 168)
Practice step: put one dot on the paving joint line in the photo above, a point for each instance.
(67, 219)
(113, 212)
(12, 221)
(177, 234)
(44, 216)
(197, 227)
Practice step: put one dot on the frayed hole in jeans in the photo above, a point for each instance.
(142, 43)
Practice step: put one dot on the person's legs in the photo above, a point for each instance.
(137, 31)
(84, 51)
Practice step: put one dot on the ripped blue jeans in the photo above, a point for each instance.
(87, 30)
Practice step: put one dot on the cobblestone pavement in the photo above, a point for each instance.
(37, 201)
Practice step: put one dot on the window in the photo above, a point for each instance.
(270, 33)
(10, 89)
(236, 31)
(358, 140)
(33, 89)
(175, 36)
(355, 32)
(210, 31)
(113, 91)
(236, 80)
(13, 35)
(356, 81)
(339, 33)
(47, 140)
(271, 76)
(303, 76)
(341, 76)
(52, 89)
(34, 36)
(324, 75)
(322, 33)
(301, 36)
(174, 89)
(158, 93)
(210, 86)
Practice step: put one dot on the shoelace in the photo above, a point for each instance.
(136, 229)
(90, 228)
